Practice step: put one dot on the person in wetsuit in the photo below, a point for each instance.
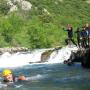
(84, 37)
(79, 37)
(69, 30)
(8, 76)
(87, 28)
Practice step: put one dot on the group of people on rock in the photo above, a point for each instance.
(83, 36)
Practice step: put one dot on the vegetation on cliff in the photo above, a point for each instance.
(41, 27)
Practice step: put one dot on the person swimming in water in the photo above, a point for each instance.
(8, 76)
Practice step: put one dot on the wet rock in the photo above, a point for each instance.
(82, 55)
(85, 62)
(46, 55)
(13, 50)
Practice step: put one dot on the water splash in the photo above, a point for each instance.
(21, 59)
(37, 77)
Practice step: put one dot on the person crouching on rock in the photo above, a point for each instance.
(8, 76)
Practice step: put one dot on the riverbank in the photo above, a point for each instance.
(41, 27)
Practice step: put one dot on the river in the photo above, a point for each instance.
(46, 76)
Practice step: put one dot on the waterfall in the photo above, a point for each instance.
(25, 58)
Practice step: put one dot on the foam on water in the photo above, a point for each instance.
(37, 77)
(2, 85)
(21, 59)
(61, 55)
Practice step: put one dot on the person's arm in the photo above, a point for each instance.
(64, 29)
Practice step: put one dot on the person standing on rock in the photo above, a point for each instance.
(69, 39)
(79, 37)
(87, 28)
(84, 37)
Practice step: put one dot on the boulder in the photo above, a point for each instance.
(46, 55)
(15, 5)
(85, 60)
(82, 56)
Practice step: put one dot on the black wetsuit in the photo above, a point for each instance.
(70, 36)
(84, 38)
(79, 37)
(88, 35)
(15, 79)
(70, 33)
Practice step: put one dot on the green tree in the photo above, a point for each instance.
(4, 8)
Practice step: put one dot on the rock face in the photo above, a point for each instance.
(82, 55)
(61, 0)
(13, 50)
(13, 8)
(86, 59)
(24, 5)
(88, 1)
(46, 55)
(19, 4)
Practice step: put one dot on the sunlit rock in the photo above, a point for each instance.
(24, 5)
(46, 11)
(60, 0)
(13, 8)
(16, 1)
(56, 3)
(9, 3)
(88, 1)
(19, 4)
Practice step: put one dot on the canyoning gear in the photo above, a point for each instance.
(6, 72)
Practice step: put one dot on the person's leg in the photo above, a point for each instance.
(66, 41)
(78, 41)
(73, 41)
(89, 41)
(85, 42)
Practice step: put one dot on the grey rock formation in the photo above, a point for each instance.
(13, 50)
(15, 5)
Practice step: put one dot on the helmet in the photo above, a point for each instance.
(6, 72)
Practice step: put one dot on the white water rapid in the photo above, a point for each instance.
(25, 58)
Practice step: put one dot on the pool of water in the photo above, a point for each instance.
(50, 77)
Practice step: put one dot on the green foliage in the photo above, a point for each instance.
(4, 7)
(39, 29)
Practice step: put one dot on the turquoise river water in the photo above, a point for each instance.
(50, 77)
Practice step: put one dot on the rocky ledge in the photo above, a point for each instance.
(82, 55)
(13, 50)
